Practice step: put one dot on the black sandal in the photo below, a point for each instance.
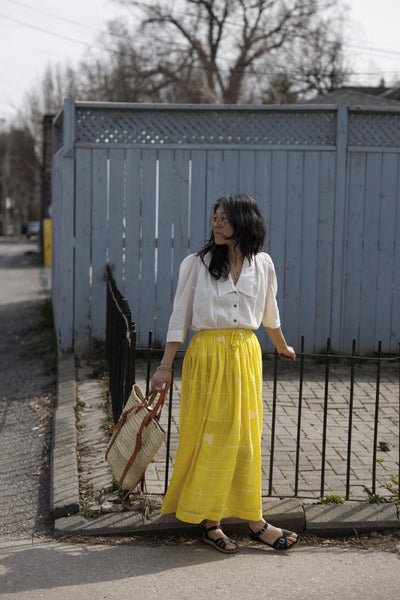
(221, 543)
(279, 544)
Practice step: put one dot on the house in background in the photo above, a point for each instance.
(380, 96)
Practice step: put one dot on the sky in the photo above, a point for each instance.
(36, 33)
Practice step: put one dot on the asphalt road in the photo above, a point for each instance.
(24, 483)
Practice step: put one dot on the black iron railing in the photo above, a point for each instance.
(327, 358)
(120, 346)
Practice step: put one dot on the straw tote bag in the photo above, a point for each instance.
(136, 438)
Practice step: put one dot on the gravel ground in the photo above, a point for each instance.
(26, 394)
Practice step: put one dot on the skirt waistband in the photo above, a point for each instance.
(229, 332)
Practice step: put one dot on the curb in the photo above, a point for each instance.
(64, 484)
(292, 513)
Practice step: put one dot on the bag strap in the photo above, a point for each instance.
(147, 419)
(120, 423)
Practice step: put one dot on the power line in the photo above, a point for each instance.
(197, 67)
(43, 30)
(52, 15)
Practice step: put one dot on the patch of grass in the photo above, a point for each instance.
(78, 408)
(376, 499)
(332, 499)
(107, 425)
(393, 487)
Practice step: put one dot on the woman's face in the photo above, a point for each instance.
(222, 228)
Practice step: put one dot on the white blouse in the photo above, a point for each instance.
(202, 302)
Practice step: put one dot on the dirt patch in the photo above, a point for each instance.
(387, 541)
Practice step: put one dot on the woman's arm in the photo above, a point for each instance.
(278, 339)
(162, 378)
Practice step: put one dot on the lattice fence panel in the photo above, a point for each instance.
(373, 129)
(205, 127)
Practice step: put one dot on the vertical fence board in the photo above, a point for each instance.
(395, 320)
(309, 245)
(99, 235)
(63, 249)
(164, 255)
(231, 171)
(247, 172)
(294, 218)
(181, 207)
(133, 228)
(146, 317)
(116, 214)
(215, 177)
(199, 227)
(323, 304)
(262, 190)
(339, 229)
(278, 224)
(372, 210)
(354, 247)
(386, 259)
(83, 196)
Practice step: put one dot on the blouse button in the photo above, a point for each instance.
(235, 320)
(235, 306)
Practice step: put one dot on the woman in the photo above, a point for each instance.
(224, 292)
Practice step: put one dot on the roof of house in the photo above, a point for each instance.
(358, 96)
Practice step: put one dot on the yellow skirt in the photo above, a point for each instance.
(217, 470)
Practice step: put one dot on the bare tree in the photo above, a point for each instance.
(319, 66)
(120, 73)
(226, 51)
(47, 97)
(18, 165)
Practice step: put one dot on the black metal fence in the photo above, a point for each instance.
(328, 358)
(121, 358)
(326, 361)
(120, 346)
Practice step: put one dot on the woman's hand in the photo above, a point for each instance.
(163, 376)
(278, 339)
(161, 379)
(287, 353)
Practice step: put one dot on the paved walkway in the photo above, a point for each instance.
(312, 418)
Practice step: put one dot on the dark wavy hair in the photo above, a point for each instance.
(249, 232)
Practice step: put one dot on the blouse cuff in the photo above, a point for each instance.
(273, 325)
(176, 335)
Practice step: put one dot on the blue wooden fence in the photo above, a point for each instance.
(133, 185)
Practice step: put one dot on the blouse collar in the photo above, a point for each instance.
(245, 283)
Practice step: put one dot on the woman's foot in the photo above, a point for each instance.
(213, 535)
(280, 539)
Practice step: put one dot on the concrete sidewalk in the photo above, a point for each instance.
(296, 514)
(45, 570)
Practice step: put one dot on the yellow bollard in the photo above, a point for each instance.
(47, 249)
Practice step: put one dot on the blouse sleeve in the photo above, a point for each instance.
(182, 312)
(271, 316)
